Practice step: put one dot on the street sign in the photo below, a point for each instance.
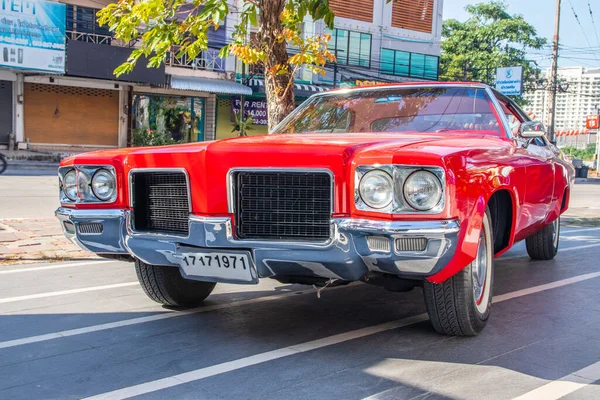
(32, 35)
(592, 121)
(509, 81)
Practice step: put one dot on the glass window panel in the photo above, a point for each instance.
(354, 49)
(431, 67)
(342, 46)
(417, 65)
(401, 66)
(387, 61)
(365, 50)
(331, 44)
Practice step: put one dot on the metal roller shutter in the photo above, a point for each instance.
(6, 111)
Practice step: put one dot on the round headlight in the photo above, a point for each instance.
(104, 185)
(422, 190)
(69, 185)
(376, 188)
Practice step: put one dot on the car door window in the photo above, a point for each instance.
(515, 117)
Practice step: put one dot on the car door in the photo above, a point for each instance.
(538, 160)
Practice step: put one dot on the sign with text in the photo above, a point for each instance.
(253, 107)
(592, 121)
(509, 81)
(32, 35)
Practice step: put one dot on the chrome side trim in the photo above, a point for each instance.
(231, 189)
(96, 214)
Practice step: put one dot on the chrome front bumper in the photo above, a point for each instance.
(346, 255)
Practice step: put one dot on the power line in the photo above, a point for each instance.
(593, 22)
(582, 30)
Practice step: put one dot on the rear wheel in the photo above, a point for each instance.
(543, 245)
(166, 286)
(461, 305)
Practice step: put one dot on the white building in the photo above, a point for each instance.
(578, 96)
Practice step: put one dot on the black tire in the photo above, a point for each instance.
(3, 163)
(452, 305)
(543, 245)
(166, 286)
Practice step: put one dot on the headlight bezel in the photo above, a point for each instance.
(399, 173)
(84, 177)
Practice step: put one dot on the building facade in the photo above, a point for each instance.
(578, 97)
(63, 96)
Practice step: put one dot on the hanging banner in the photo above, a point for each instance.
(253, 107)
(509, 81)
(32, 35)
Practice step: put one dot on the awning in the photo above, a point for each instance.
(301, 89)
(218, 86)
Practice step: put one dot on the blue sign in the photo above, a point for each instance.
(32, 35)
(509, 81)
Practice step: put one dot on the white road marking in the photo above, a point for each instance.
(567, 230)
(560, 250)
(57, 266)
(565, 385)
(65, 292)
(218, 369)
(151, 318)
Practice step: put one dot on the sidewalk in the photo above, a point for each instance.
(36, 240)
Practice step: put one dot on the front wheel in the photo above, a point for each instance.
(461, 305)
(166, 286)
(543, 245)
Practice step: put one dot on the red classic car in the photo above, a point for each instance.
(397, 185)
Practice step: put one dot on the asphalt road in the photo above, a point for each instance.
(77, 330)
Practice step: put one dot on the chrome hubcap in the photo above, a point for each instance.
(479, 270)
(555, 232)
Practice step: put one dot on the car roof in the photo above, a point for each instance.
(405, 84)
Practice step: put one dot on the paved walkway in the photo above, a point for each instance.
(36, 239)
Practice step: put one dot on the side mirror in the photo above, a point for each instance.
(532, 129)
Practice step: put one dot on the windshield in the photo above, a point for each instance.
(410, 109)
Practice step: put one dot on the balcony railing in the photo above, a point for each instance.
(206, 60)
(90, 37)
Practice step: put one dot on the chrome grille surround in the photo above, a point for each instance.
(282, 204)
(160, 199)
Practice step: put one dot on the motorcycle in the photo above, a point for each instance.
(3, 163)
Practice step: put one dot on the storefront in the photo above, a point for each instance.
(6, 111)
(165, 119)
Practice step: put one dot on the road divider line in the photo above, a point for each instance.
(566, 385)
(567, 230)
(50, 267)
(260, 358)
(155, 317)
(560, 250)
(66, 292)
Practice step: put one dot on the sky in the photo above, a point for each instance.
(540, 14)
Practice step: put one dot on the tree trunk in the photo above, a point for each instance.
(279, 87)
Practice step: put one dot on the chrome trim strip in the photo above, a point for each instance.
(95, 214)
(439, 227)
(231, 191)
(129, 214)
(500, 112)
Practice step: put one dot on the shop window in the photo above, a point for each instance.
(413, 65)
(351, 48)
(82, 25)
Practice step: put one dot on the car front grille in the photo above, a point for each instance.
(160, 201)
(275, 205)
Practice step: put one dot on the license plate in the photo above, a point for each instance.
(225, 266)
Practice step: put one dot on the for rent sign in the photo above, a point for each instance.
(509, 81)
(253, 107)
(32, 35)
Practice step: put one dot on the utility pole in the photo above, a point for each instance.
(554, 73)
